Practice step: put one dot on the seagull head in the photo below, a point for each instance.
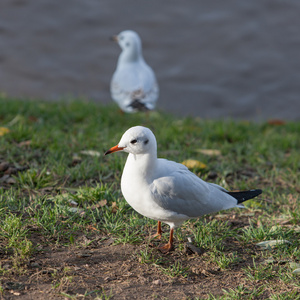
(130, 44)
(136, 140)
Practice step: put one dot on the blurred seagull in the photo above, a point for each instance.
(167, 191)
(133, 85)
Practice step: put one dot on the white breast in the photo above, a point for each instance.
(136, 191)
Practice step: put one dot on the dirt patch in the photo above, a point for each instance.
(98, 267)
(7, 171)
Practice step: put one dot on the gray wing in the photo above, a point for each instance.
(185, 193)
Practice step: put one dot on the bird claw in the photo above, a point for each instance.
(156, 236)
(165, 248)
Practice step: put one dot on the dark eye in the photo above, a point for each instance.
(133, 141)
(146, 142)
(127, 44)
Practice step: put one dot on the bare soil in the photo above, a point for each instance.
(96, 266)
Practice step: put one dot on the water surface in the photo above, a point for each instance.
(213, 59)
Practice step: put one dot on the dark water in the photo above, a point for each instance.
(213, 59)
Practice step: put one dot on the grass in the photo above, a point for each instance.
(47, 143)
(175, 270)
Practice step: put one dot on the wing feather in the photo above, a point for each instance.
(185, 193)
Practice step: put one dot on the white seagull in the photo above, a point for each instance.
(133, 85)
(167, 191)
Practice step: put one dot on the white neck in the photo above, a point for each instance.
(131, 56)
(143, 165)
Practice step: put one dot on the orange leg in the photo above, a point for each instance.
(159, 231)
(168, 247)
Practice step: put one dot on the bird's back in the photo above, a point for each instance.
(134, 82)
(179, 190)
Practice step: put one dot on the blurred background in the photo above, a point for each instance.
(225, 59)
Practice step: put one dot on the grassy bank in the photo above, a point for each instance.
(66, 231)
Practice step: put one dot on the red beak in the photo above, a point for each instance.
(114, 149)
(114, 38)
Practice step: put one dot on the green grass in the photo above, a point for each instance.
(175, 270)
(47, 139)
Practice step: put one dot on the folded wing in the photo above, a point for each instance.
(185, 193)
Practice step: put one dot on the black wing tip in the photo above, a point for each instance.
(245, 195)
(256, 191)
(138, 105)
